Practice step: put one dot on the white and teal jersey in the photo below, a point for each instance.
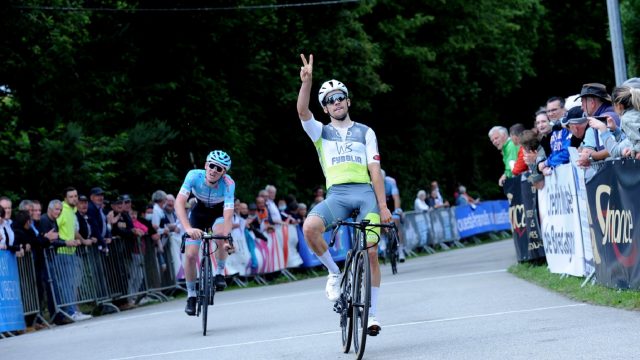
(222, 192)
(344, 153)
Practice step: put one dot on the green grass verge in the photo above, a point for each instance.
(570, 286)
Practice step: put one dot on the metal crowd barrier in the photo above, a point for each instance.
(159, 268)
(128, 269)
(133, 260)
(71, 278)
(29, 289)
(434, 227)
(111, 273)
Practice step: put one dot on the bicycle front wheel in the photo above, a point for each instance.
(206, 281)
(346, 320)
(361, 302)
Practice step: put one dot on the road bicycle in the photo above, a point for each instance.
(355, 288)
(205, 285)
(393, 242)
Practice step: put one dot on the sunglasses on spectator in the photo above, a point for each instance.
(332, 99)
(215, 167)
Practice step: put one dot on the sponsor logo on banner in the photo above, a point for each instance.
(517, 216)
(559, 241)
(561, 200)
(616, 226)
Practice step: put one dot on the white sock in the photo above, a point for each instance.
(191, 289)
(327, 261)
(374, 300)
(221, 265)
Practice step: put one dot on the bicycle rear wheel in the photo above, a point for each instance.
(206, 280)
(346, 320)
(361, 302)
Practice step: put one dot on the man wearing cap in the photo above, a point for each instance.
(595, 102)
(97, 218)
(84, 228)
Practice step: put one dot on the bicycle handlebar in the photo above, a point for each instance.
(211, 237)
(361, 224)
(206, 237)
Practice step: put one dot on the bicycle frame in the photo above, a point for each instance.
(206, 290)
(355, 298)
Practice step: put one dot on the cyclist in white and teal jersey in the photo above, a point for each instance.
(349, 157)
(214, 192)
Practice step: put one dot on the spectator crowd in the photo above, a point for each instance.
(599, 125)
(77, 220)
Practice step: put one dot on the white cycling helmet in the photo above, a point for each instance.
(221, 158)
(330, 86)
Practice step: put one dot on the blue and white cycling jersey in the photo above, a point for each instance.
(209, 195)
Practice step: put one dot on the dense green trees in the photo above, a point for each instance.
(130, 100)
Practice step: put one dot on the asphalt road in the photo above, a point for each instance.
(460, 304)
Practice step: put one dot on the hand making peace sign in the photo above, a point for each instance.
(307, 69)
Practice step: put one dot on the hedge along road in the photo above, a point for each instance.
(459, 304)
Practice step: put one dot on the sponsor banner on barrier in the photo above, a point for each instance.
(338, 251)
(255, 256)
(523, 218)
(583, 218)
(11, 311)
(481, 218)
(501, 220)
(560, 220)
(613, 195)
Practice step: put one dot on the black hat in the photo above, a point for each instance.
(575, 115)
(82, 198)
(595, 90)
(97, 191)
(124, 197)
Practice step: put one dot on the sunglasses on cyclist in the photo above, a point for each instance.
(332, 99)
(215, 167)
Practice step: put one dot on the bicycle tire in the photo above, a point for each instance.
(361, 302)
(206, 277)
(392, 251)
(346, 320)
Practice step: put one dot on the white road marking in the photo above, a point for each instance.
(413, 323)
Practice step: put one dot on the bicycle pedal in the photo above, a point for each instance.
(338, 306)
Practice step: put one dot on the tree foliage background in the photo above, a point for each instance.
(131, 100)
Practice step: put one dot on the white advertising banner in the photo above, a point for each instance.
(561, 223)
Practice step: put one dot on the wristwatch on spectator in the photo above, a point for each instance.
(591, 157)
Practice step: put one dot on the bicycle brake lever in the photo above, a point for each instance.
(333, 236)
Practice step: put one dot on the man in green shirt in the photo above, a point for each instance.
(500, 139)
(69, 267)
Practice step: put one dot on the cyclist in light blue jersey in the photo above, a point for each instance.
(392, 195)
(214, 192)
